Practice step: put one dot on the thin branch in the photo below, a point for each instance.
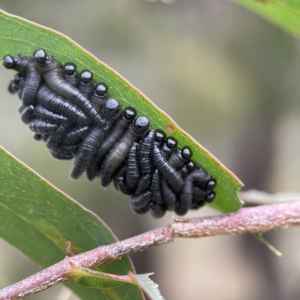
(253, 219)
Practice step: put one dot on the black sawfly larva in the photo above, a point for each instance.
(77, 119)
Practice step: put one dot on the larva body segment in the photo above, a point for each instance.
(119, 152)
(26, 113)
(55, 139)
(169, 173)
(42, 126)
(75, 135)
(44, 113)
(56, 103)
(156, 210)
(27, 68)
(112, 138)
(52, 73)
(94, 138)
(133, 171)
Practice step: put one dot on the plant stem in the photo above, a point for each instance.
(247, 220)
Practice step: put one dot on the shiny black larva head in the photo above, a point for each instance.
(211, 185)
(40, 56)
(112, 108)
(190, 165)
(86, 76)
(210, 197)
(159, 136)
(101, 89)
(129, 113)
(141, 125)
(69, 69)
(8, 62)
(171, 142)
(112, 104)
(186, 153)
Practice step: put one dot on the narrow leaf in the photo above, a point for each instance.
(102, 280)
(39, 220)
(97, 279)
(283, 13)
(28, 37)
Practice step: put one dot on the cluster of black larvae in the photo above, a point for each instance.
(77, 119)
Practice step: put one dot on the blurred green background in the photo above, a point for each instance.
(225, 76)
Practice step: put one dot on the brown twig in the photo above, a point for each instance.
(253, 219)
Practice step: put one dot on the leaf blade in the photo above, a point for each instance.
(29, 37)
(38, 219)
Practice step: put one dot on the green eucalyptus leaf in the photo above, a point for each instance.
(102, 280)
(21, 36)
(97, 279)
(283, 13)
(40, 221)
